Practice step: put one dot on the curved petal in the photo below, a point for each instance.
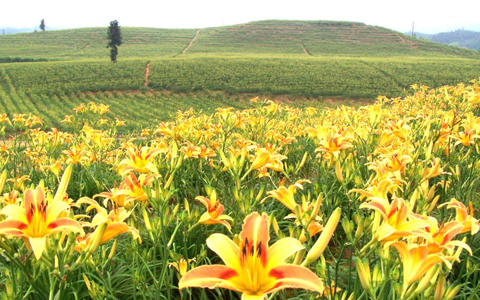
(14, 211)
(292, 276)
(55, 209)
(115, 229)
(205, 201)
(66, 224)
(228, 251)
(37, 244)
(282, 249)
(12, 227)
(209, 277)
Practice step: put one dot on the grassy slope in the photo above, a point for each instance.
(294, 58)
(278, 38)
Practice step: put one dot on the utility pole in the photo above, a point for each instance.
(413, 28)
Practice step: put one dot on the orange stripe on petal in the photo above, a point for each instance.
(65, 224)
(292, 276)
(209, 277)
(12, 226)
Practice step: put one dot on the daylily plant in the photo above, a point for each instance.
(252, 267)
(37, 219)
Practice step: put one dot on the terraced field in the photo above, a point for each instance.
(188, 67)
(280, 38)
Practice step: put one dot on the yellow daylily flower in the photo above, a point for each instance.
(213, 215)
(395, 224)
(253, 267)
(470, 224)
(37, 219)
(139, 160)
(114, 221)
(286, 196)
(416, 261)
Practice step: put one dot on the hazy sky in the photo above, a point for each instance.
(430, 16)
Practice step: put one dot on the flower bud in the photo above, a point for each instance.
(324, 238)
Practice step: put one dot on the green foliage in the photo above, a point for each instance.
(279, 38)
(42, 25)
(115, 39)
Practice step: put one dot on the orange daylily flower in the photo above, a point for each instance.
(213, 215)
(117, 195)
(334, 144)
(470, 224)
(75, 155)
(139, 160)
(441, 237)
(55, 167)
(206, 152)
(37, 219)
(416, 261)
(465, 138)
(4, 118)
(190, 151)
(182, 265)
(114, 220)
(286, 196)
(253, 267)
(395, 224)
(134, 186)
(10, 198)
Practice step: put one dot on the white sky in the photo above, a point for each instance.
(430, 16)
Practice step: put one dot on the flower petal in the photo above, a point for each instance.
(246, 296)
(228, 251)
(209, 277)
(65, 224)
(282, 249)
(13, 211)
(292, 276)
(12, 227)
(37, 244)
(115, 229)
(255, 232)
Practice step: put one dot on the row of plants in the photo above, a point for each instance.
(272, 201)
(308, 77)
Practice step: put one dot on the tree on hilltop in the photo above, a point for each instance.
(114, 39)
(42, 25)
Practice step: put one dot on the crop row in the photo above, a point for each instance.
(306, 77)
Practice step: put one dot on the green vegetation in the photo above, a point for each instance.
(460, 38)
(284, 59)
(279, 38)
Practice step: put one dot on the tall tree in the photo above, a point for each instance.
(42, 25)
(114, 39)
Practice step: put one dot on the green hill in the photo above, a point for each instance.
(460, 38)
(313, 38)
(49, 73)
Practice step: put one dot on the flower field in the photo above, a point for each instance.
(272, 201)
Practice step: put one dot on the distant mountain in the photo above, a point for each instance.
(10, 30)
(460, 38)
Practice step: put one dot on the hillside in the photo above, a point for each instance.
(303, 38)
(461, 38)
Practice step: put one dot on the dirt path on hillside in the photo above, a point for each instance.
(305, 50)
(410, 44)
(147, 71)
(191, 42)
